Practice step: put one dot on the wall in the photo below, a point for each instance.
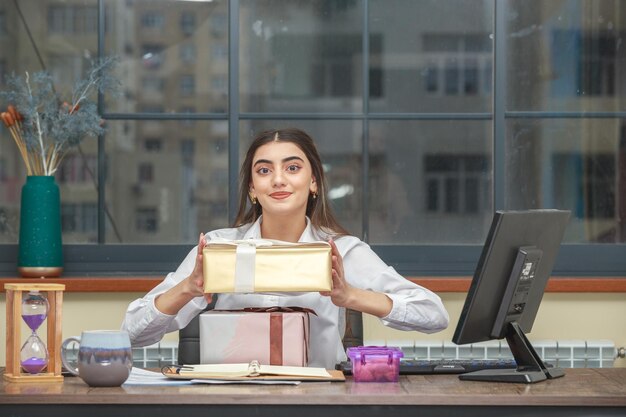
(562, 316)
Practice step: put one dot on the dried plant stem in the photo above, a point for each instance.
(39, 133)
(17, 136)
(56, 156)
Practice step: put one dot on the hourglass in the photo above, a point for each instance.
(34, 355)
(32, 360)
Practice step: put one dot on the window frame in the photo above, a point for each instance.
(575, 260)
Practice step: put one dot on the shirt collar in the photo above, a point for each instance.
(308, 235)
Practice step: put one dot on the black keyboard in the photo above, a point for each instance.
(442, 366)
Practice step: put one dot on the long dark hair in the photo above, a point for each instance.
(317, 209)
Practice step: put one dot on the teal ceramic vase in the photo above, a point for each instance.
(41, 251)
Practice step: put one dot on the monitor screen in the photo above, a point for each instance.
(507, 288)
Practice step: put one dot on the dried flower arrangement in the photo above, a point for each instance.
(44, 126)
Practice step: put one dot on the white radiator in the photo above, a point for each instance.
(561, 353)
(156, 356)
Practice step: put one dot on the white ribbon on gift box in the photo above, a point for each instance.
(246, 259)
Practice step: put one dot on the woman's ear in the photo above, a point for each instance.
(313, 187)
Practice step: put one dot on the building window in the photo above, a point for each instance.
(77, 168)
(145, 173)
(457, 64)
(89, 217)
(188, 53)
(153, 145)
(187, 85)
(219, 51)
(4, 222)
(68, 217)
(187, 23)
(456, 183)
(187, 149)
(152, 20)
(218, 25)
(79, 218)
(3, 71)
(146, 220)
(219, 84)
(72, 19)
(598, 72)
(3, 23)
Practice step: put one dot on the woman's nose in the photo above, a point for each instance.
(278, 178)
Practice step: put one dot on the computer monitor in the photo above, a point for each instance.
(507, 288)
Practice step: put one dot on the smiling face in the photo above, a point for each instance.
(281, 179)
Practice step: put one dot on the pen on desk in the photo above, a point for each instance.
(175, 368)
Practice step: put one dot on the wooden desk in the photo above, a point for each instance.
(582, 392)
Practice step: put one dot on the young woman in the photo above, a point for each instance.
(282, 176)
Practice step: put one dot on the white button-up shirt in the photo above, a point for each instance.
(414, 307)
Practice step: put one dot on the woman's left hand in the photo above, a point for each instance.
(342, 291)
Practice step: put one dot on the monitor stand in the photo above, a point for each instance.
(530, 366)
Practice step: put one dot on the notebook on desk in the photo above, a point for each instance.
(252, 370)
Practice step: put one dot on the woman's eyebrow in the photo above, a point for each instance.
(267, 161)
(262, 161)
(292, 158)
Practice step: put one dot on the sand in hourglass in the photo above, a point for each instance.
(35, 357)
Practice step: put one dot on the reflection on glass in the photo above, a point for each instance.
(165, 183)
(299, 56)
(566, 55)
(339, 143)
(167, 50)
(575, 164)
(430, 56)
(428, 183)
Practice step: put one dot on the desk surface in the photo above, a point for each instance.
(580, 392)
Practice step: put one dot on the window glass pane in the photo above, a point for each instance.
(339, 145)
(12, 178)
(63, 43)
(566, 55)
(166, 60)
(77, 177)
(170, 192)
(63, 39)
(574, 164)
(431, 56)
(299, 56)
(429, 183)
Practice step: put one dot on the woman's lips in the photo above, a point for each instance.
(280, 195)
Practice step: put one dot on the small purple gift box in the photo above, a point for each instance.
(375, 363)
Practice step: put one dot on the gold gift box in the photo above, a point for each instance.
(263, 265)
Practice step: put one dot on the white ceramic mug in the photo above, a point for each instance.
(104, 357)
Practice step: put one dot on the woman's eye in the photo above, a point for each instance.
(293, 168)
(263, 170)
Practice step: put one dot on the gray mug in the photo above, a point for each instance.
(104, 357)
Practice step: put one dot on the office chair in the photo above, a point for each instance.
(189, 336)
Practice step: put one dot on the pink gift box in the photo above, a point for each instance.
(271, 336)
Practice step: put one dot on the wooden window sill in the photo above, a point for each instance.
(143, 284)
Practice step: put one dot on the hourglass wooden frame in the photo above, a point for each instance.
(13, 371)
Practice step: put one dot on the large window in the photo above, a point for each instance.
(429, 115)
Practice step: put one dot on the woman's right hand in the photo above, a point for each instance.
(195, 281)
(172, 300)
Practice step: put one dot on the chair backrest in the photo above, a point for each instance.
(189, 336)
(189, 339)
